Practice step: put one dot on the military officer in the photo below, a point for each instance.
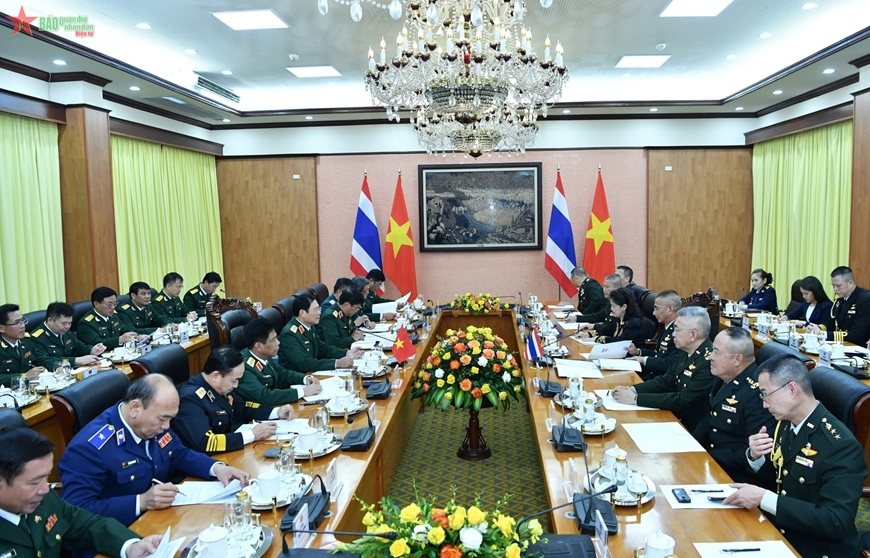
(210, 411)
(301, 348)
(17, 352)
(376, 280)
(196, 298)
(36, 523)
(601, 321)
(137, 315)
(54, 343)
(656, 362)
(102, 325)
(685, 387)
(168, 305)
(811, 470)
(108, 467)
(341, 284)
(265, 381)
(337, 327)
(851, 310)
(361, 318)
(626, 276)
(736, 411)
(591, 298)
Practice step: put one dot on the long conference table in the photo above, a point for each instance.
(368, 474)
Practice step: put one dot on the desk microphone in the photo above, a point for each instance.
(288, 552)
(585, 509)
(740, 293)
(547, 388)
(577, 497)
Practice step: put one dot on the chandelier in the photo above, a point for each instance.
(467, 72)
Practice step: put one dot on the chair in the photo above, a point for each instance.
(274, 316)
(79, 310)
(796, 297)
(640, 292)
(80, 403)
(772, 348)
(123, 299)
(11, 418)
(319, 291)
(303, 292)
(709, 300)
(169, 360)
(285, 308)
(223, 315)
(34, 320)
(651, 326)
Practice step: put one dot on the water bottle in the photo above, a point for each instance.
(23, 384)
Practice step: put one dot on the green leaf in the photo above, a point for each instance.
(493, 398)
(445, 403)
(477, 403)
(459, 397)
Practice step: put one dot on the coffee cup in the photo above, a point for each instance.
(730, 308)
(837, 351)
(307, 440)
(46, 380)
(611, 454)
(268, 486)
(213, 542)
(657, 545)
(811, 341)
(342, 400)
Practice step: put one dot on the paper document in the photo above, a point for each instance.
(618, 364)
(404, 299)
(167, 548)
(616, 349)
(384, 307)
(572, 326)
(662, 437)
(585, 341)
(576, 369)
(561, 307)
(342, 372)
(292, 426)
(698, 493)
(329, 387)
(206, 492)
(376, 328)
(612, 404)
(768, 549)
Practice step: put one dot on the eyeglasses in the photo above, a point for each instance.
(764, 396)
(21, 322)
(109, 304)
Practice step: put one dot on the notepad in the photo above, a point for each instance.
(768, 549)
(662, 437)
(618, 364)
(612, 404)
(699, 499)
(206, 492)
(576, 369)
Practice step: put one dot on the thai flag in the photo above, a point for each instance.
(561, 259)
(365, 253)
(533, 345)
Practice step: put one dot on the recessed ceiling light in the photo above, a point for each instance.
(765, 35)
(190, 51)
(566, 111)
(738, 108)
(134, 88)
(828, 71)
(731, 57)
(626, 76)
(778, 92)
(314, 71)
(143, 26)
(693, 8)
(59, 62)
(646, 61)
(653, 109)
(810, 6)
(251, 19)
(309, 118)
(226, 119)
(227, 72)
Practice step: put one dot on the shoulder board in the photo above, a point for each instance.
(335, 313)
(89, 317)
(159, 298)
(125, 307)
(103, 435)
(294, 329)
(37, 332)
(200, 392)
(765, 287)
(251, 361)
(193, 290)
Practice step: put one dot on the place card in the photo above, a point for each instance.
(258, 306)
(763, 329)
(332, 481)
(825, 356)
(183, 337)
(745, 323)
(300, 523)
(794, 342)
(601, 533)
(574, 473)
(145, 348)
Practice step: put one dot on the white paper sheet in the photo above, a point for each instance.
(206, 492)
(167, 548)
(562, 307)
(341, 372)
(699, 499)
(612, 404)
(384, 307)
(617, 349)
(572, 326)
(767, 549)
(584, 341)
(329, 387)
(618, 364)
(403, 299)
(576, 368)
(662, 437)
(285, 427)
(376, 328)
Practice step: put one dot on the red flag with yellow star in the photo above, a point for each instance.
(598, 259)
(403, 349)
(399, 264)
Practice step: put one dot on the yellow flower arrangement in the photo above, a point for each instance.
(477, 304)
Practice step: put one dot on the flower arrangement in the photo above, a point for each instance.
(467, 366)
(477, 304)
(424, 530)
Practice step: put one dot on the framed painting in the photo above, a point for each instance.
(480, 207)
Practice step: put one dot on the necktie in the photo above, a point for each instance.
(145, 446)
(22, 522)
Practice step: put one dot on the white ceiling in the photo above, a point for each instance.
(594, 33)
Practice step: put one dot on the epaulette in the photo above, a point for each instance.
(200, 392)
(101, 436)
(193, 290)
(294, 329)
(37, 332)
(335, 313)
(159, 298)
(89, 317)
(125, 307)
(251, 361)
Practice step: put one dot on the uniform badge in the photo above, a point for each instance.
(210, 395)
(125, 307)
(293, 328)
(230, 399)
(302, 329)
(729, 408)
(130, 463)
(251, 361)
(800, 460)
(49, 523)
(159, 298)
(37, 518)
(335, 314)
(99, 439)
(809, 451)
(165, 439)
(68, 342)
(27, 354)
(200, 392)
(37, 333)
(688, 372)
(89, 318)
(10, 554)
(119, 435)
(259, 366)
(732, 400)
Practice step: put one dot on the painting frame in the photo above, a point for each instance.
(504, 213)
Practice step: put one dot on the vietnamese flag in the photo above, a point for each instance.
(399, 264)
(403, 349)
(598, 259)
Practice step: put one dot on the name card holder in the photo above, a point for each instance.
(300, 523)
(332, 481)
(145, 348)
(763, 329)
(745, 323)
(794, 342)
(825, 356)
(183, 337)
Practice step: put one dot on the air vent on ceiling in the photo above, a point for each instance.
(178, 105)
(216, 89)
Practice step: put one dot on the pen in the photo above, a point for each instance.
(732, 550)
(155, 481)
(706, 491)
(315, 402)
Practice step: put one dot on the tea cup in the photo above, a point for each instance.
(657, 545)
(268, 485)
(213, 542)
(307, 439)
(837, 351)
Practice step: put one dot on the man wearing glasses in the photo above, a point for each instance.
(811, 470)
(102, 325)
(54, 343)
(17, 353)
(301, 347)
(376, 279)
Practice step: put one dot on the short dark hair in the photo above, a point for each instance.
(57, 310)
(302, 302)
(376, 275)
(351, 296)
(740, 341)
(784, 368)
(360, 282)
(768, 277)
(212, 277)
(145, 389)
(20, 446)
(5, 310)
(342, 284)
(844, 272)
(172, 277)
(623, 296)
(102, 293)
(628, 272)
(223, 360)
(139, 286)
(258, 331)
(812, 284)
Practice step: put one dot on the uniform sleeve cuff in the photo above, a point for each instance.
(247, 436)
(769, 502)
(126, 546)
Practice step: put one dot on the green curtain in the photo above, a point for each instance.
(802, 189)
(31, 236)
(167, 216)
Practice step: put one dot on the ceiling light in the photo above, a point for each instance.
(778, 92)
(59, 62)
(738, 108)
(731, 57)
(645, 61)
(653, 109)
(828, 71)
(134, 88)
(247, 20)
(313, 71)
(143, 26)
(190, 51)
(566, 111)
(227, 72)
(226, 119)
(309, 118)
(626, 75)
(810, 6)
(694, 8)
(765, 35)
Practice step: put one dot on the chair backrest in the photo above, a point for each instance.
(710, 301)
(650, 328)
(273, 316)
(285, 308)
(320, 292)
(302, 292)
(796, 295)
(773, 348)
(80, 403)
(34, 320)
(639, 292)
(225, 314)
(79, 310)
(11, 418)
(123, 299)
(847, 398)
(649, 305)
(169, 360)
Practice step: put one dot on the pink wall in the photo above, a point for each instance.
(442, 275)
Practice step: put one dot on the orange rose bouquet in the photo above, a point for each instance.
(477, 304)
(467, 366)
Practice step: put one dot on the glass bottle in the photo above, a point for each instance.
(242, 515)
(286, 462)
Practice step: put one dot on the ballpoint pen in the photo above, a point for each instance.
(155, 482)
(733, 550)
(705, 491)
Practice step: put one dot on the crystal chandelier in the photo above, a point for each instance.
(467, 72)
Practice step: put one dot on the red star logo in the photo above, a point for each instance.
(22, 22)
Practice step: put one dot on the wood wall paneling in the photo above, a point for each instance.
(700, 220)
(859, 244)
(268, 226)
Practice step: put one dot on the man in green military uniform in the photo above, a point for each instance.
(36, 523)
(265, 381)
(301, 348)
(591, 299)
(376, 280)
(168, 305)
(811, 470)
(196, 298)
(138, 315)
(17, 353)
(685, 387)
(54, 343)
(341, 284)
(600, 317)
(656, 362)
(102, 325)
(337, 327)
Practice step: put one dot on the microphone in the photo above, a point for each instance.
(577, 497)
(287, 552)
(566, 438)
(585, 509)
(740, 293)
